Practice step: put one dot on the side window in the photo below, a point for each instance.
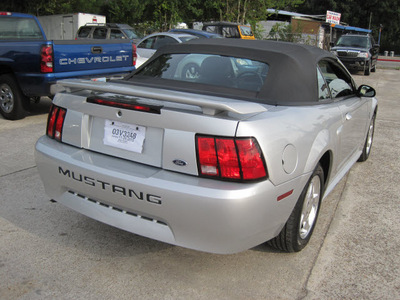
(84, 32)
(116, 34)
(339, 82)
(148, 43)
(323, 90)
(212, 29)
(230, 32)
(100, 33)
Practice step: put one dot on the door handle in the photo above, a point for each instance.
(97, 50)
(348, 116)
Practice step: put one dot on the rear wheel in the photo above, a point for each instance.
(298, 229)
(11, 98)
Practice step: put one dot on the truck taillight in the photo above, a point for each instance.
(230, 158)
(55, 122)
(134, 54)
(46, 59)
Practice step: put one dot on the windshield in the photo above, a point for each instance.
(353, 41)
(131, 34)
(216, 70)
(246, 30)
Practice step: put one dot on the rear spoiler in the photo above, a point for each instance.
(210, 105)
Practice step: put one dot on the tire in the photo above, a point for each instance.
(368, 141)
(12, 100)
(298, 229)
(191, 71)
(367, 70)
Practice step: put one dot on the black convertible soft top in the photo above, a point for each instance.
(292, 75)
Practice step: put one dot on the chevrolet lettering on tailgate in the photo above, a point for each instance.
(93, 60)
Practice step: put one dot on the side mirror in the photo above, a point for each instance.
(366, 91)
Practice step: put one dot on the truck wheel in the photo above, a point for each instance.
(299, 227)
(11, 98)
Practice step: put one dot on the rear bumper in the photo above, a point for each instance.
(196, 213)
(37, 84)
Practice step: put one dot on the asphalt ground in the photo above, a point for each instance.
(50, 252)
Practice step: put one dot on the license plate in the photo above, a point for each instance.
(124, 136)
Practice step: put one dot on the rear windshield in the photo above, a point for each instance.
(216, 70)
(83, 32)
(19, 28)
(131, 34)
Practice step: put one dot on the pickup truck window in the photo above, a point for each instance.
(84, 32)
(100, 33)
(116, 34)
(19, 28)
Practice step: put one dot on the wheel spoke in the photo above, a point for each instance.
(6, 98)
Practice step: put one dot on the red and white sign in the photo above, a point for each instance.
(333, 17)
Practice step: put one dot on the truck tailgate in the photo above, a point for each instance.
(81, 55)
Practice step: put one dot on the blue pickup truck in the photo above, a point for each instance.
(30, 64)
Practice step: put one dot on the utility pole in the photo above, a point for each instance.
(370, 20)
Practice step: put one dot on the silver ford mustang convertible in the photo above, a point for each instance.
(216, 145)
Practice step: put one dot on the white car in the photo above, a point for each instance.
(149, 44)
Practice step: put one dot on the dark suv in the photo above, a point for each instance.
(107, 31)
(357, 52)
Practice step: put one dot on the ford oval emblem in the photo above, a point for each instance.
(179, 162)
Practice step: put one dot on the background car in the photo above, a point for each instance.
(149, 44)
(107, 31)
(198, 33)
(357, 52)
(220, 162)
(230, 30)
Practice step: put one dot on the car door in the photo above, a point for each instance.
(353, 109)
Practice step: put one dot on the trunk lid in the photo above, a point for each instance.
(147, 125)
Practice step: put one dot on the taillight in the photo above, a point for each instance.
(55, 122)
(230, 158)
(134, 54)
(46, 59)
